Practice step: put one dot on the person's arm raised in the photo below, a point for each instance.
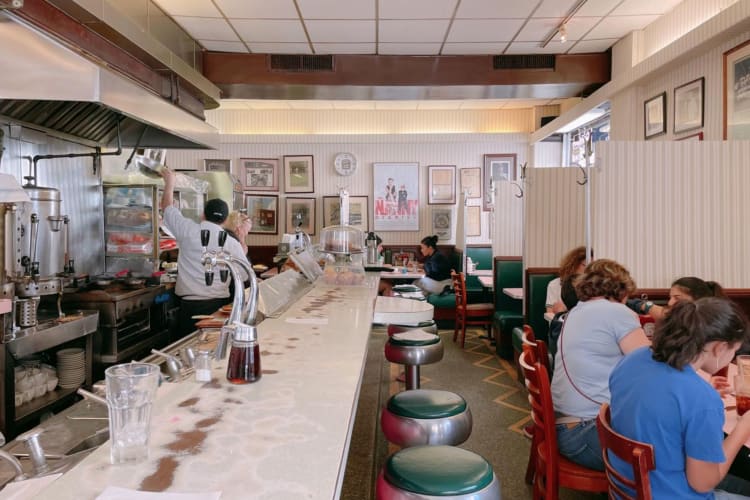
(167, 197)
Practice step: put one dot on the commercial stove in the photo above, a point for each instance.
(125, 319)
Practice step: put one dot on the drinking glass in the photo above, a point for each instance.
(742, 393)
(743, 365)
(131, 389)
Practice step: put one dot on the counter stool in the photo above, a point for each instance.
(426, 417)
(413, 348)
(428, 326)
(437, 473)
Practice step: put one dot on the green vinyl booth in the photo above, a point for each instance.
(481, 255)
(508, 273)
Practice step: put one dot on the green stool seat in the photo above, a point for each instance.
(402, 340)
(413, 348)
(437, 471)
(426, 417)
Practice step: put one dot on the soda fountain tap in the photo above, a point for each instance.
(223, 273)
(208, 266)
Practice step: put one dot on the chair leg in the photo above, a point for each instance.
(463, 333)
(455, 328)
(531, 466)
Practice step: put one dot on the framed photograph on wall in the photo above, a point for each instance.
(471, 182)
(688, 106)
(260, 174)
(473, 221)
(655, 116)
(358, 211)
(737, 92)
(299, 174)
(693, 137)
(214, 165)
(441, 184)
(300, 212)
(497, 168)
(442, 223)
(263, 210)
(395, 196)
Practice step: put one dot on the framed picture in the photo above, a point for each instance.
(300, 212)
(694, 137)
(260, 174)
(358, 211)
(441, 184)
(263, 210)
(299, 174)
(473, 221)
(214, 165)
(497, 167)
(442, 223)
(395, 196)
(655, 116)
(688, 106)
(471, 182)
(737, 92)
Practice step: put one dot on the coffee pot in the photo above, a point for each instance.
(372, 248)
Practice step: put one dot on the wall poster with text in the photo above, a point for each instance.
(396, 196)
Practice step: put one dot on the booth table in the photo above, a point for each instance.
(514, 293)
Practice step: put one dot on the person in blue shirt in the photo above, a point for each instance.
(658, 397)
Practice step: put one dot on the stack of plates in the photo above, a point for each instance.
(71, 367)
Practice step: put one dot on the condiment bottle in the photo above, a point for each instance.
(244, 356)
(203, 366)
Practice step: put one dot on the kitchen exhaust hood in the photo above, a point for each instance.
(46, 86)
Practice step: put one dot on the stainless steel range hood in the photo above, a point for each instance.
(47, 86)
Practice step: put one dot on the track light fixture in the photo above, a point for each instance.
(563, 34)
(561, 29)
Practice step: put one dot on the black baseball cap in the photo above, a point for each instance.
(216, 211)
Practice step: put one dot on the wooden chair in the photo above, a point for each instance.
(552, 470)
(536, 350)
(468, 314)
(639, 455)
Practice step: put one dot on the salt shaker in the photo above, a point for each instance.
(203, 366)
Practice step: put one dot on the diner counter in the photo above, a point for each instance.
(285, 436)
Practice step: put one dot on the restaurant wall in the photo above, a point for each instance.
(668, 209)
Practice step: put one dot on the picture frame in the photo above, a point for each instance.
(395, 196)
(688, 106)
(263, 210)
(217, 165)
(693, 137)
(655, 116)
(442, 223)
(471, 182)
(473, 220)
(441, 183)
(358, 211)
(299, 174)
(300, 210)
(736, 92)
(497, 168)
(259, 174)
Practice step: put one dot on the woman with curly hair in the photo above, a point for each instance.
(597, 333)
(571, 265)
(658, 397)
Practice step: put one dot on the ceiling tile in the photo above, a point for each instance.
(416, 9)
(555, 8)
(484, 30)
(219, 46)
(474, 48)
(311, 104)
(253, 9)
(537, 29)
(589, 46)
(483, 103)
(580, 26)
(416, 49)
(202, 28)
(336, 9)
(598, 8)
(273, 30)
(619, 26)
(396, 105)
(499, 9)
(439, 104)
(554, 47)
(193, 8)
(344, 48)
(641, 7)
(341, 31)
(279, 48)
(413, 31)
(353, 105)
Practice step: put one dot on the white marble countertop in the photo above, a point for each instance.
(283, 437)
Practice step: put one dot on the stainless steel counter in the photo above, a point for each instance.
(51, 333)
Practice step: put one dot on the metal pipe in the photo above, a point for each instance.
(92, 397)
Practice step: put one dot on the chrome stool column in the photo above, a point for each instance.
(413, 348)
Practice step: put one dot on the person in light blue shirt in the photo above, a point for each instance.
(658, 397)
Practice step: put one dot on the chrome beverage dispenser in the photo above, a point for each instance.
(41, 241)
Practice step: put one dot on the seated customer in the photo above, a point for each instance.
(688, 288)
(437, 268)
(597, 333)
(571, 265)
(659, 398)
(238, 225)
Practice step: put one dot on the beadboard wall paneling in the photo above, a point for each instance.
(507, 233)
(555, 215)
(462, 150)
(671, 209)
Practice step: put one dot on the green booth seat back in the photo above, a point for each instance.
(508, 274)
(537, 279)
(481, 255)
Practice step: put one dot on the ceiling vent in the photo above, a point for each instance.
(301, 63)
(521, 61)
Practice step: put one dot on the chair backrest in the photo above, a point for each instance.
(507, 273)
(543, 415)
(537, 279)
(538, 346)
(639, 455)
(459, 290)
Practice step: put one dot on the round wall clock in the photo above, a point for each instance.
(345, 163)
